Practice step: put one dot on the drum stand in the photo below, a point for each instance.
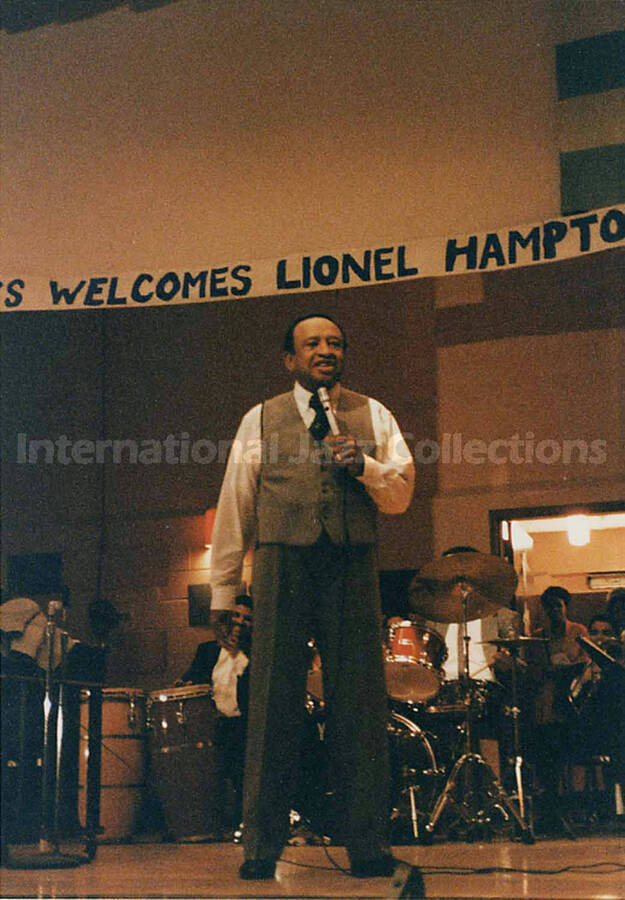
(472, 788)
(514, 712)
(48, 854)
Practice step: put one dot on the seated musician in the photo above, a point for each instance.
(596, 729)
(584, 685)
(224, 664)
(24, 621)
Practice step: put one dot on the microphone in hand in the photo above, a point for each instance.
(345, 451)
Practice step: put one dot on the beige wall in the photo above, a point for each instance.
(202, 132)
(558, 388)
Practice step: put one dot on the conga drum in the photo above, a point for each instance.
(123, 761)
(183, 761)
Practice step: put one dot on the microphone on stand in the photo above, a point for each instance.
(323, 395)
(54, 607)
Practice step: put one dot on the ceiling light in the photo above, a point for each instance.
(578, 530)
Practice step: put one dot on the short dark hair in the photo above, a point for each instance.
(616, 595)
(555, 592)
(616, 598)
(288, 344)
(243, 600)
(600, 617)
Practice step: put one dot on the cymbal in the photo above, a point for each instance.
(439, 590)
(519, 641)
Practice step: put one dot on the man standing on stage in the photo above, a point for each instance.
(309, 499)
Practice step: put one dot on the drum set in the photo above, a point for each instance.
(433, 724)
(457, 588)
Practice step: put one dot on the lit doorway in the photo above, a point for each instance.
(580, 548)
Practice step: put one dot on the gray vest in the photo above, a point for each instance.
(300, 494)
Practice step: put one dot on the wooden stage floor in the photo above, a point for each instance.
(592, 868)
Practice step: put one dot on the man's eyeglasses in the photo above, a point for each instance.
(239, 617)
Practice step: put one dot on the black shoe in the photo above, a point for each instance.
(257, 869)
(380, 867)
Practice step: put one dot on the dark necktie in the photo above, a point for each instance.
(320, 425)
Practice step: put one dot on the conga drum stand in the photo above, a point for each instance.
(472, 789)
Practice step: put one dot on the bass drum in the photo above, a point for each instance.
(416, 777)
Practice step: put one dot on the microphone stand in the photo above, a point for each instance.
(48, 854)
(47, 843)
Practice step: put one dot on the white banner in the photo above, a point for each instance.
(509, 248)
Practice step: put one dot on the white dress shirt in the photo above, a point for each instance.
(389, 480)
(481, 655)
(225, 677)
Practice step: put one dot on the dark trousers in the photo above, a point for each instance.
(331, 593)
(230, 753)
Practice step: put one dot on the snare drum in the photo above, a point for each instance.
(122, 779)
(181, 732)
(414, 659)
(455, 696)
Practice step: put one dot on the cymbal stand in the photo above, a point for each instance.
(514, 712)
(472, 789)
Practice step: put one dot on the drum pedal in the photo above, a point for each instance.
(407, 882)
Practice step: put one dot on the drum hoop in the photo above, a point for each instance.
(411, 660)
(444, 709)
(180, 693)
(412, 726)
(401, 658)
(116, 693)
(417, 731)
(429, 628)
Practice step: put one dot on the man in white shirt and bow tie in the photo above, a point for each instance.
(307, 500)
